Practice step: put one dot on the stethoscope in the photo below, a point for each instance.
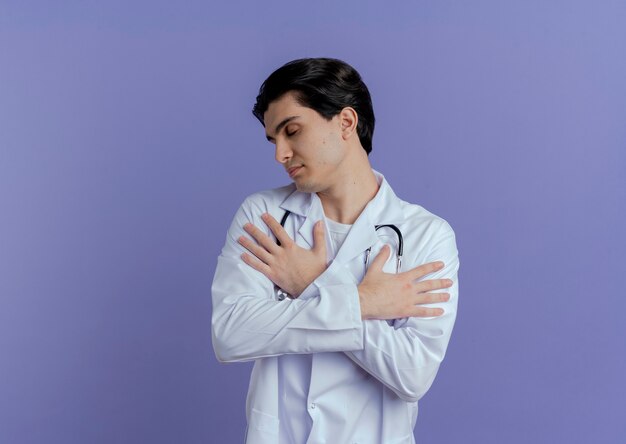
(282, 294)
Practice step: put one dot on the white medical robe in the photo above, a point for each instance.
(321, 374)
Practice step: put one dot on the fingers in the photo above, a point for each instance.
(256, 264)
(433, 284)
(381, 258)
(424, 312)
(255, 249)
(319, 241)
(276, 228)
(423, 270)
(262, 239)
(430, 298)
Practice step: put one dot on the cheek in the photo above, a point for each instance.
(321, 153)
(329, 153)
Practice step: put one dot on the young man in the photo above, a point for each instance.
(344, 343)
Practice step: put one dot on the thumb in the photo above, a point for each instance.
(381, 258)
(319, 237)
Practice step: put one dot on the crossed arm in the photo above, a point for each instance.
(381, 295)
(342, 316)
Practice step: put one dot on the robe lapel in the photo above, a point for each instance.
(315, 213)
(307, 206)
(361, 236)
(384, 208)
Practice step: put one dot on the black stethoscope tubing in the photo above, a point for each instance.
(399, 251)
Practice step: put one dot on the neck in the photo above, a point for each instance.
(346, 199)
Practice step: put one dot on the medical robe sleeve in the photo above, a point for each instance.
(405, 356)
(248, 322)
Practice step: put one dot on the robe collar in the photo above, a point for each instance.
(384, 208)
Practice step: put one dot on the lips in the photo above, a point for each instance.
(294, 170)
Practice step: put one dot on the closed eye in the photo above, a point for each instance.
(288, 134)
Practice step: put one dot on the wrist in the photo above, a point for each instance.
(306, 281)
(364, 302)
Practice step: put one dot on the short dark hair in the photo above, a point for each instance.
(324, 84)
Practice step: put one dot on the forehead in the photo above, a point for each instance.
(284, 110)
(286, 105)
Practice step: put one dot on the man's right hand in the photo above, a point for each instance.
(393, 296)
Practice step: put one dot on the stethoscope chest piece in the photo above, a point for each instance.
(280, 294)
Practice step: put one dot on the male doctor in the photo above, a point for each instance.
(342, 350)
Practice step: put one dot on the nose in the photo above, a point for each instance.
(283, 152)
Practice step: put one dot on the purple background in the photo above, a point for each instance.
(127, 143)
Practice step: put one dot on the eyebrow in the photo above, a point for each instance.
(280, 126)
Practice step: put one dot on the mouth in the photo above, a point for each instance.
(294, 170)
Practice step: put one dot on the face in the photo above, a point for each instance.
(310, 148)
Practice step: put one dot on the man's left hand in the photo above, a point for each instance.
(289, 266)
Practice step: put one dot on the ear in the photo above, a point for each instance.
(348, 118)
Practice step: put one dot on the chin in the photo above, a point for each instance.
(306, 186)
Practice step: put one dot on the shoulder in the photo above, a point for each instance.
(412, 218)
(427, 234)
(427, 237)
(418, 217)
(267, 199)
(250, 211)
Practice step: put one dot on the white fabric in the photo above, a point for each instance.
(361, 380)
(337, 232)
